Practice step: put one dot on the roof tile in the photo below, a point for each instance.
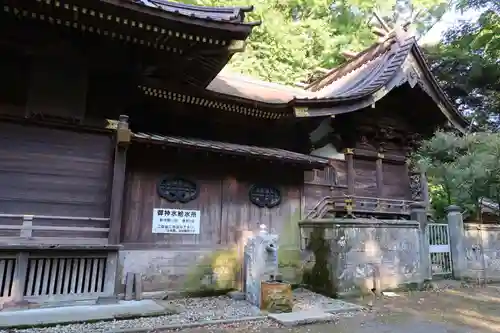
(232, 148)
(223, 14)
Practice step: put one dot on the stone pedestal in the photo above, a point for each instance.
(457, 246)
(418, 212)
(260, 263)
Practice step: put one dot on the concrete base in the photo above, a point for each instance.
(301, 317)
(81, 313)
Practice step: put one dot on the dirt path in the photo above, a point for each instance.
(468, 310)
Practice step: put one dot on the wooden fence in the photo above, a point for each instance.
(17, 228)
(55, 258)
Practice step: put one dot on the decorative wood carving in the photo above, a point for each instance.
(177, 189)
(264, 196)
(415, 187)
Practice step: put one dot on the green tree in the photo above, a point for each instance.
(467, 63)
(461, 169)
(298, 36)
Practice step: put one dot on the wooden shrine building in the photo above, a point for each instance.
(124, 148)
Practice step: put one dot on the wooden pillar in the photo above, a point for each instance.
(19, 277)
(380, 175)
(349, 157)
(117, 189)
(424, 186)
(408, 173)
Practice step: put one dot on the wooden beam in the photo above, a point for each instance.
(349, 157)
(323, 70)
(382, 21)
(350, 54)
(118, 186)
(380, 175)
(372, 155)
(379, 32)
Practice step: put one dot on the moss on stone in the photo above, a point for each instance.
(289, 254)
(217, 271)
(318, 278)
(220, 270)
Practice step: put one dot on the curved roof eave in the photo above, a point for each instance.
(220, 18)
(339, 105)
(444, 103)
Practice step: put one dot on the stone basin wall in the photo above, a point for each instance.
(367, 254)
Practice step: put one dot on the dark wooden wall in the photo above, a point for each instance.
(332, 181)
(224, 183)
(396, 181)
(365, 178)
(46, 171)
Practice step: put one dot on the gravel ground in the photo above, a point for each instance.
(193, 310)
(246, 326)
(444, 310)
(307, 300)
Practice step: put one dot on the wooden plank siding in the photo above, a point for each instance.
(396, 181)
(142, 197)
(51, 173)
(318, 184)
(373, 177)
(223, 200)
(365, 178)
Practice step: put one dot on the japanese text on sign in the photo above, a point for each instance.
(176, 221)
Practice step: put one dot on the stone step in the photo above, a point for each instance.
(301, 317)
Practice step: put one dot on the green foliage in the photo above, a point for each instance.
(439, 201)
(461, 169)
(298, 36)
(467, 63)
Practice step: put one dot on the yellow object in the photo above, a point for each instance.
(276, 297)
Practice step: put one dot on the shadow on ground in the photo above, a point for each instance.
(461, 310)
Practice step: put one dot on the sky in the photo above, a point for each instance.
(449, 19)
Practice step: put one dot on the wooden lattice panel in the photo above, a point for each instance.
(7, 269)
(61, 276)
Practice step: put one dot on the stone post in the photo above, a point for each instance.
(418, 212)
(457, 246)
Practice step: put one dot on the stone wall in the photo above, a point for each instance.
(168, 270)
(481, 251)
(384, 254)
(193, 268)
(366, 254)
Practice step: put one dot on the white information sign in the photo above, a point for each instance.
(176, 221)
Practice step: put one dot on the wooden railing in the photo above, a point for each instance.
(352, 205)
(61, 230)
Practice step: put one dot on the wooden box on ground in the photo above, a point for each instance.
(276, 296)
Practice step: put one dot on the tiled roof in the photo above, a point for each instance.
(234, 149)
(252, 89)
(365, 74)
(358, 82)
(220, 14)
(359, 77)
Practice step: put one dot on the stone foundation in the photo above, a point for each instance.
(372, 254)
(369, 254)
(180, 270)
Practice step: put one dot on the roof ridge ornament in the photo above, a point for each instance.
(403, 26)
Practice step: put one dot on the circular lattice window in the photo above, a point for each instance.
(176, 189)
(264, 196)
